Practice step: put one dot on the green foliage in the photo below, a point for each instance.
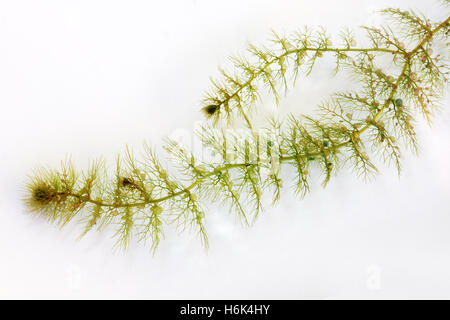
(142, 197)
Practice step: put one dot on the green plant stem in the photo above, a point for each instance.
(296, 51)
(227, 167)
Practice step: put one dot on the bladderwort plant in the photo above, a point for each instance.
(401, 71)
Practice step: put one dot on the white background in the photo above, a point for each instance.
(88, 77)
